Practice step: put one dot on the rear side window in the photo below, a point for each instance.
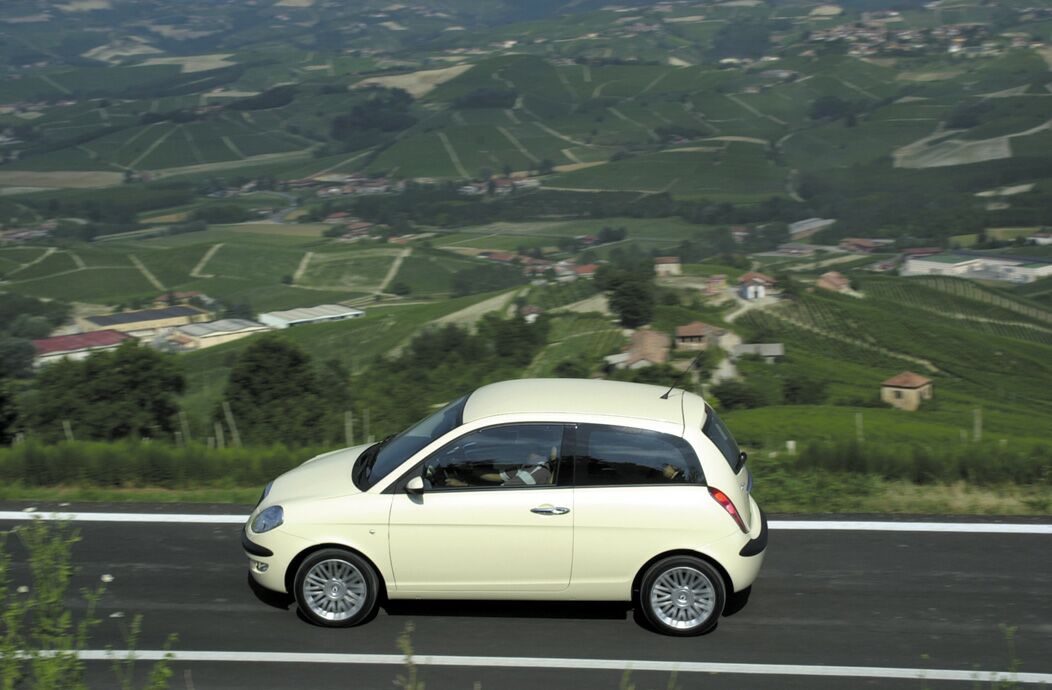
(720, 435)
(616, 455)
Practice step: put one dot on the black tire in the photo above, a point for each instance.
(681, 596)
(336, 588)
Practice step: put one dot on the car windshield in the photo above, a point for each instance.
(384, 457)
(721, 436)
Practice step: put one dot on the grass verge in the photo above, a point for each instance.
(73, 493)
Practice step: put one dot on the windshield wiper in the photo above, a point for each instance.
(364, 466)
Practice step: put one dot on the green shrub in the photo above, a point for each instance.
(128, 464)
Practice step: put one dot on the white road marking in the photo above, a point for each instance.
(886, 526)
(126, 517)
(780, 525)
(579, 664)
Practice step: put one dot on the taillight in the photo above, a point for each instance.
(728, 505)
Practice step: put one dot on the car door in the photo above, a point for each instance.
(496, 514)
(637, 493)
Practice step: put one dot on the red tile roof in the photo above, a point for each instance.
(756, 276)
(696, 329)
(648, 345)
(586, 269)
(833, 280)
(907, 379)
(79, 341)
(666, 259)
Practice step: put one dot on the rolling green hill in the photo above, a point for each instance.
(981, 347)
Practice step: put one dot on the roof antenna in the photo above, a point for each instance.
(682, 374)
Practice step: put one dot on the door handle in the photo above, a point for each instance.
(548, 509)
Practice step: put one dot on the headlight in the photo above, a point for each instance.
(268, 519)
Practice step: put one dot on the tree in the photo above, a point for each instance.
(274, 394)
(26, 326)
(127, 392)
(8, 415)
(736, 394)
(238, 310)
(801, 390)
(16, 356)
(830, 107)
(633, 300)
(571, 369)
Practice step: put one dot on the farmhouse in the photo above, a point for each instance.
(1041, 238)
(198, 336)
(530, 313)
(770, 352)
(715, 284)
(645, 348)
(861, 245)
(698, 336)
(740, 233)
(307, 315)
(667, 266)
(499, 257)
(921, 251)
(906, 391)
(144, 322)
(76, 346)
(795, 249)
(834, 281)
(753, 285)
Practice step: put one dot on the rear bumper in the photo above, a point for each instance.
(756, 547)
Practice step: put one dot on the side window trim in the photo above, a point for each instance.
(563, 473)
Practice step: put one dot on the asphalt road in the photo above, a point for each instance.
(838, 598)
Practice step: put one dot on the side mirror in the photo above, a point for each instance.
(415, 486)
(742, 457)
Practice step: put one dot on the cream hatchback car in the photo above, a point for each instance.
(536, 489)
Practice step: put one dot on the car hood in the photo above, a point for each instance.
(320, 477)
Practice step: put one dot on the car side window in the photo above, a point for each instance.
(616, 455)
(511, 455)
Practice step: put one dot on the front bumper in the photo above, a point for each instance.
(268, 561)
(251, 547)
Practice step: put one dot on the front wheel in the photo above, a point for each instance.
(682, 595)
(336, 588)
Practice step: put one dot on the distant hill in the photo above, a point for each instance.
(735, 102)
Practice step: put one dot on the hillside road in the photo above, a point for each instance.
(875, 602)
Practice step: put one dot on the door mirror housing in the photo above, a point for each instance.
(415, 486)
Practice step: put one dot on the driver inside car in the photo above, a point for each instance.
(536, 471)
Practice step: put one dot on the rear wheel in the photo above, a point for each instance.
(682, 595)
(336, 588)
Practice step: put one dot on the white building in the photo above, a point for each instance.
(77, 345)
(752, 289)
(1012, 269)
(809, 226)
(198, 336)
(305, 315)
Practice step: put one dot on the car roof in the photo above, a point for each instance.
(576, 396)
